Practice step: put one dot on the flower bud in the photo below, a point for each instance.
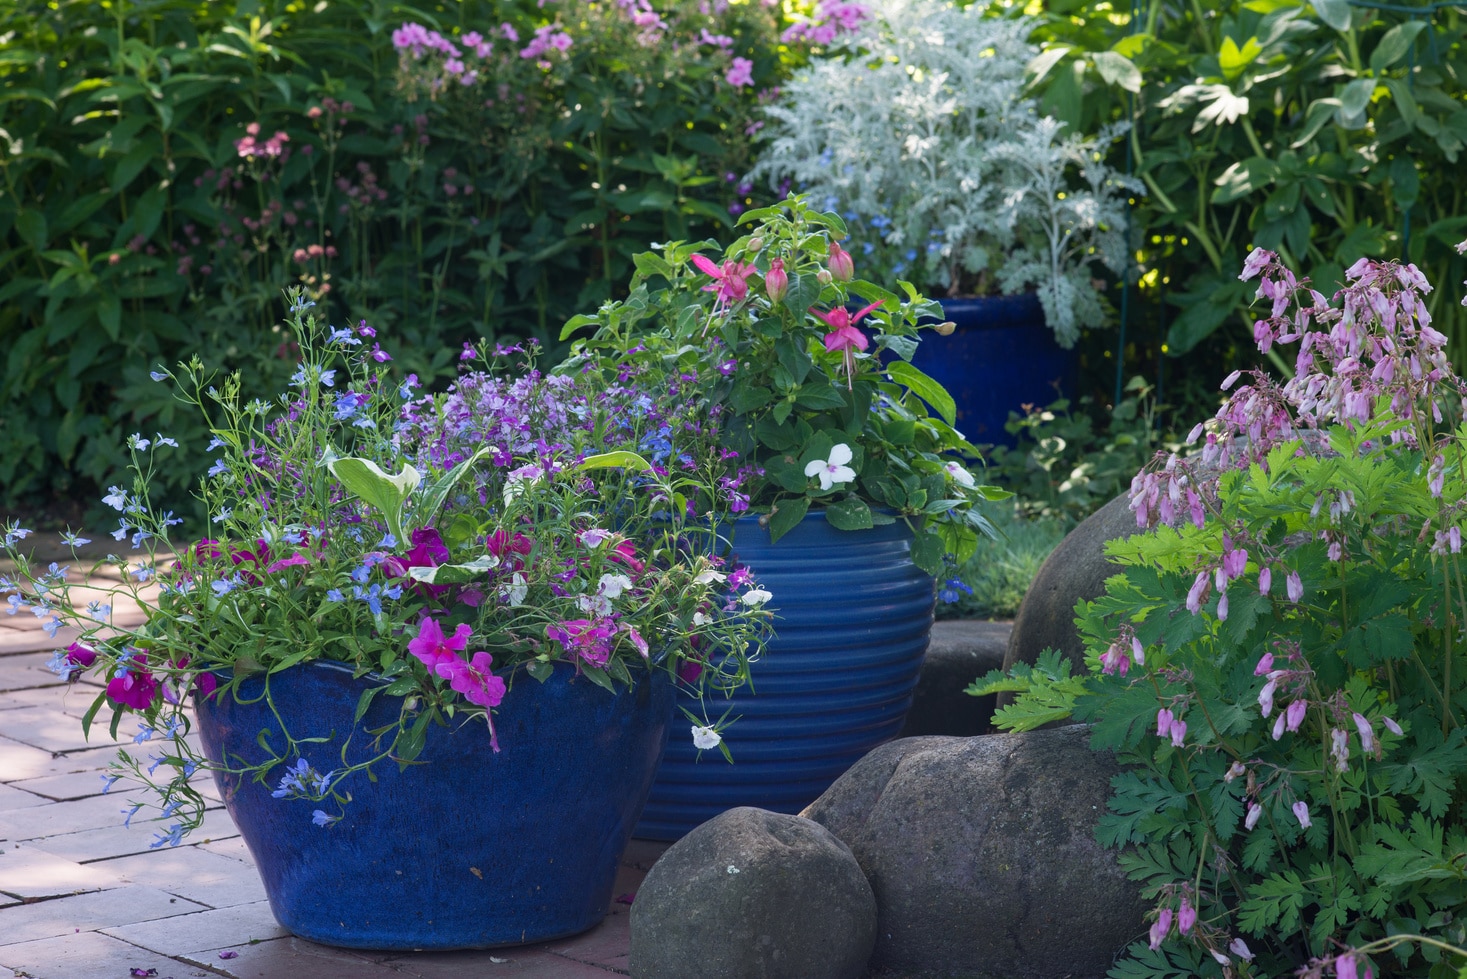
(756, 244)
(841, 266)
(945, 329)
(823, 277)
(776, 282)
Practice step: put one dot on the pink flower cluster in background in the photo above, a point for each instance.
(832, 19)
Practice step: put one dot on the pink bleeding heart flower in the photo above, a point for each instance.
(1186, 916)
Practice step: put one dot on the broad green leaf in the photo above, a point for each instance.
(455, 574)
(925, 388)
(1335, 13)
(851, 513)
(365, 479)
(1117, 70)
(1354, 99)
(620, 459)
(1233, 59)
(1044, 61)
(1394, 44)
(787, 516)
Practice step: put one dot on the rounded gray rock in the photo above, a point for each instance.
(1076, 570)
(982, 855)
(752, 894)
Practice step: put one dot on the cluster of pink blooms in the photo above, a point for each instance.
(832, 19)
(642, 14)
(250, 148)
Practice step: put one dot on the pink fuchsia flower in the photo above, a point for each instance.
(432, 647)
(730, 281)
(842, 268)
(473, 679)
(844, 336)
(776, 281)
(740, 73)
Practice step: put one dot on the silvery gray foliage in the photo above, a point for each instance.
(916, 128)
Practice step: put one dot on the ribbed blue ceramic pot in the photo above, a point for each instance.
(853, 617)
(472, 849)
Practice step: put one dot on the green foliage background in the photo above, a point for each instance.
(125, 243)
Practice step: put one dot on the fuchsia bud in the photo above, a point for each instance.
(842, 269)
(776, 282)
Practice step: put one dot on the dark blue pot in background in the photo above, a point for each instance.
(853, 618)
(1000, 357)
(472, 849)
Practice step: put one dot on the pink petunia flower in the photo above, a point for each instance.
(432, 647)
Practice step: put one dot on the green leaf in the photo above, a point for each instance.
(1116, 69)
(1243, 178)
(1335, 13)
(620, 459)
(927, 552)
(746, 398)
(455, 574)
(575, 323)
(925, 388)
(1233, 59)
(852, 513)
(804, 292)
(786, 516)
(1280, 898)
(1394, 44)
(365, 479)
(1353, 100)
(31, 226)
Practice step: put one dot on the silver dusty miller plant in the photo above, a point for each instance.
(947, 175)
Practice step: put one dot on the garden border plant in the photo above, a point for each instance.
(1279, 664)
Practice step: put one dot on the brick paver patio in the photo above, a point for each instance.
(82, 897)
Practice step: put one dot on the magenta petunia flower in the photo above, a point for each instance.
(135, 688)
(433, 647)
(473, 679)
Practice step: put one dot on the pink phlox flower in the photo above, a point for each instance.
(585, 639)
(432, 647)
(740, 73)
(296, 560)
(730, 280)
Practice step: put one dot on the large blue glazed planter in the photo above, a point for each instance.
(1001, 356)
(853, 618)
(472, 849)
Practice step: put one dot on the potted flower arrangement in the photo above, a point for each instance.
(845, 487)
(952, 179)
(429, 647)
(1279, 665)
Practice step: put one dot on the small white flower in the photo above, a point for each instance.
(960, 475)
(755, 597)
(597, 605)
(834, 470)
(595, 537)
(704, 577)
(516, 590)
(705, 738)
(612, 585)
(700, 620)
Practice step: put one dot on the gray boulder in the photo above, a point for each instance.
(1076, 570)
(754, 895)
(961, 651)
(982, 855)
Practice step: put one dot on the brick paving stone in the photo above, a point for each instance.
(204, 931)
(27, 872)
(121, 841)
(233, 847)
(511, 963)
(605, 946)
(73, 701)
(60, 818)
(14, 797)
(23, 669)
(191, 872)
(87, 955)
(50, 730)
(115, 908)
(291, 956)
(66, 787)
(19, 761)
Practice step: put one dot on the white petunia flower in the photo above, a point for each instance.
(705, 738)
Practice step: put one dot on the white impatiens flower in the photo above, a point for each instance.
(612, 585)
(834, 470)
(705, 738)
(700, 620)
(516, 590)
(960, 475)
(704, 577)
(755, 596)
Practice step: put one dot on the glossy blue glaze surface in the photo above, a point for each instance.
(472, 849)
(1001, 357)
(854, 615)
